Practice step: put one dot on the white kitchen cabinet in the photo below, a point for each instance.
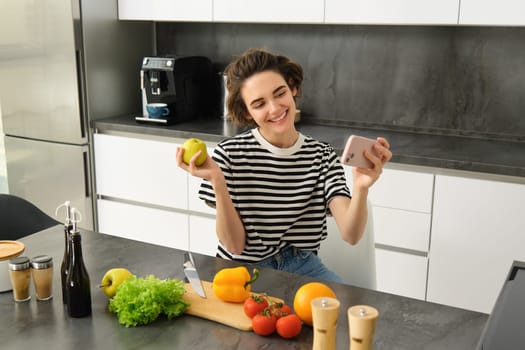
(143, 194)
(203, 237)
(401, 274)
(402, 228)
(491, 12)
(478, 229)
(404, 12)
(143, 224)
(403, 189)
(139, 170)
(269, 11)
(166, 10)
(392, 11)
(392, 255)
(401, 215)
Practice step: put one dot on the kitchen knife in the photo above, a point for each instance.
(192, 275)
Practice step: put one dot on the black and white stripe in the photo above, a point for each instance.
(281, 195)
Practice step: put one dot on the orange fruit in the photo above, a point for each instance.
(304, 296)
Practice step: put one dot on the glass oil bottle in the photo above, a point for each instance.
(78, 293)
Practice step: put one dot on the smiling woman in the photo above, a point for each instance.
(270, 104)
(255, 61)
(273, 186)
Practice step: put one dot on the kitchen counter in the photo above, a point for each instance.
(403, 323)
(493, 157)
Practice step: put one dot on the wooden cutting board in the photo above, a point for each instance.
(214, 309)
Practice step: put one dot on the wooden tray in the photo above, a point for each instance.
(214, 309)
(10, 249)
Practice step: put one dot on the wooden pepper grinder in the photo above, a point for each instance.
(362, 324)
(325, 311)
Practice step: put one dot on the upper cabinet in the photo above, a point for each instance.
(402, 12)
(166, 10)
(491, 12)
(269, 11)
(392, 11)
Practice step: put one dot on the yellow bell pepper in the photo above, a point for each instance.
(234, 284)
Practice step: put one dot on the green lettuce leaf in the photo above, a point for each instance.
(139, 301)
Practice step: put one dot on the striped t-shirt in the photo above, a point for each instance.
(281, 194)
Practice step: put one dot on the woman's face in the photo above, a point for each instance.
(270, 103)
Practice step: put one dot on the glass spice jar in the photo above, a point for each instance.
(20, 276)
(42, 273)
(8, 250)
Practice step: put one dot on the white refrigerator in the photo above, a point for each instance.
(63, 63)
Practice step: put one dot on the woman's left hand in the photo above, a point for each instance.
(366, 177)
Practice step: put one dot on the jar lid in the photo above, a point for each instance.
(20, 263)
(10, 249)
(41, 262)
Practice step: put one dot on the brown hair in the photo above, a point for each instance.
(254, 61)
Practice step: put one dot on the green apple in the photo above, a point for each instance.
(192, 146)
(112, 279)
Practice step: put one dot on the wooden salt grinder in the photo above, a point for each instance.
(362, 324)
(325, 311)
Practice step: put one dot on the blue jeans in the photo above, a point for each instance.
(303, 262)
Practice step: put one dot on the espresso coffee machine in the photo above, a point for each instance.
(185, 84)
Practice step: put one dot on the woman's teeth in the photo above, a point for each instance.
(280, 118)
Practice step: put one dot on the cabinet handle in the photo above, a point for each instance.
(86, 174)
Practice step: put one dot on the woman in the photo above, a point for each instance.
(272, 186)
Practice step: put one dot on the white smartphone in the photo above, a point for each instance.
(353, 153)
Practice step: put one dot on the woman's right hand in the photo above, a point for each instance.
(208, 170)
(229, 226)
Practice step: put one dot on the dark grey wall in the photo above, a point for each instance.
(461, 80)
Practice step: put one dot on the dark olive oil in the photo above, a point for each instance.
(78, 285)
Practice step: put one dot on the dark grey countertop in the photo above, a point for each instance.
(403, 323)
(438, 151)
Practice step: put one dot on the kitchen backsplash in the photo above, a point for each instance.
(458, 80)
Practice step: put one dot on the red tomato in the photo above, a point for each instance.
(263, 324)
(280, 310)
(285, 310)
(289, 326)
(254, 304)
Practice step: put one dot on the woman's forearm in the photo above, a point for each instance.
(351, 215)
(229, 226)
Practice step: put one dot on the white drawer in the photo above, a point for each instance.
(403, 190)
(140, 170)
(401, 274)
(143, 224)
(203, 237)
(401, 228)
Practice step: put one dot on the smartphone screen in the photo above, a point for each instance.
(353, 153)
